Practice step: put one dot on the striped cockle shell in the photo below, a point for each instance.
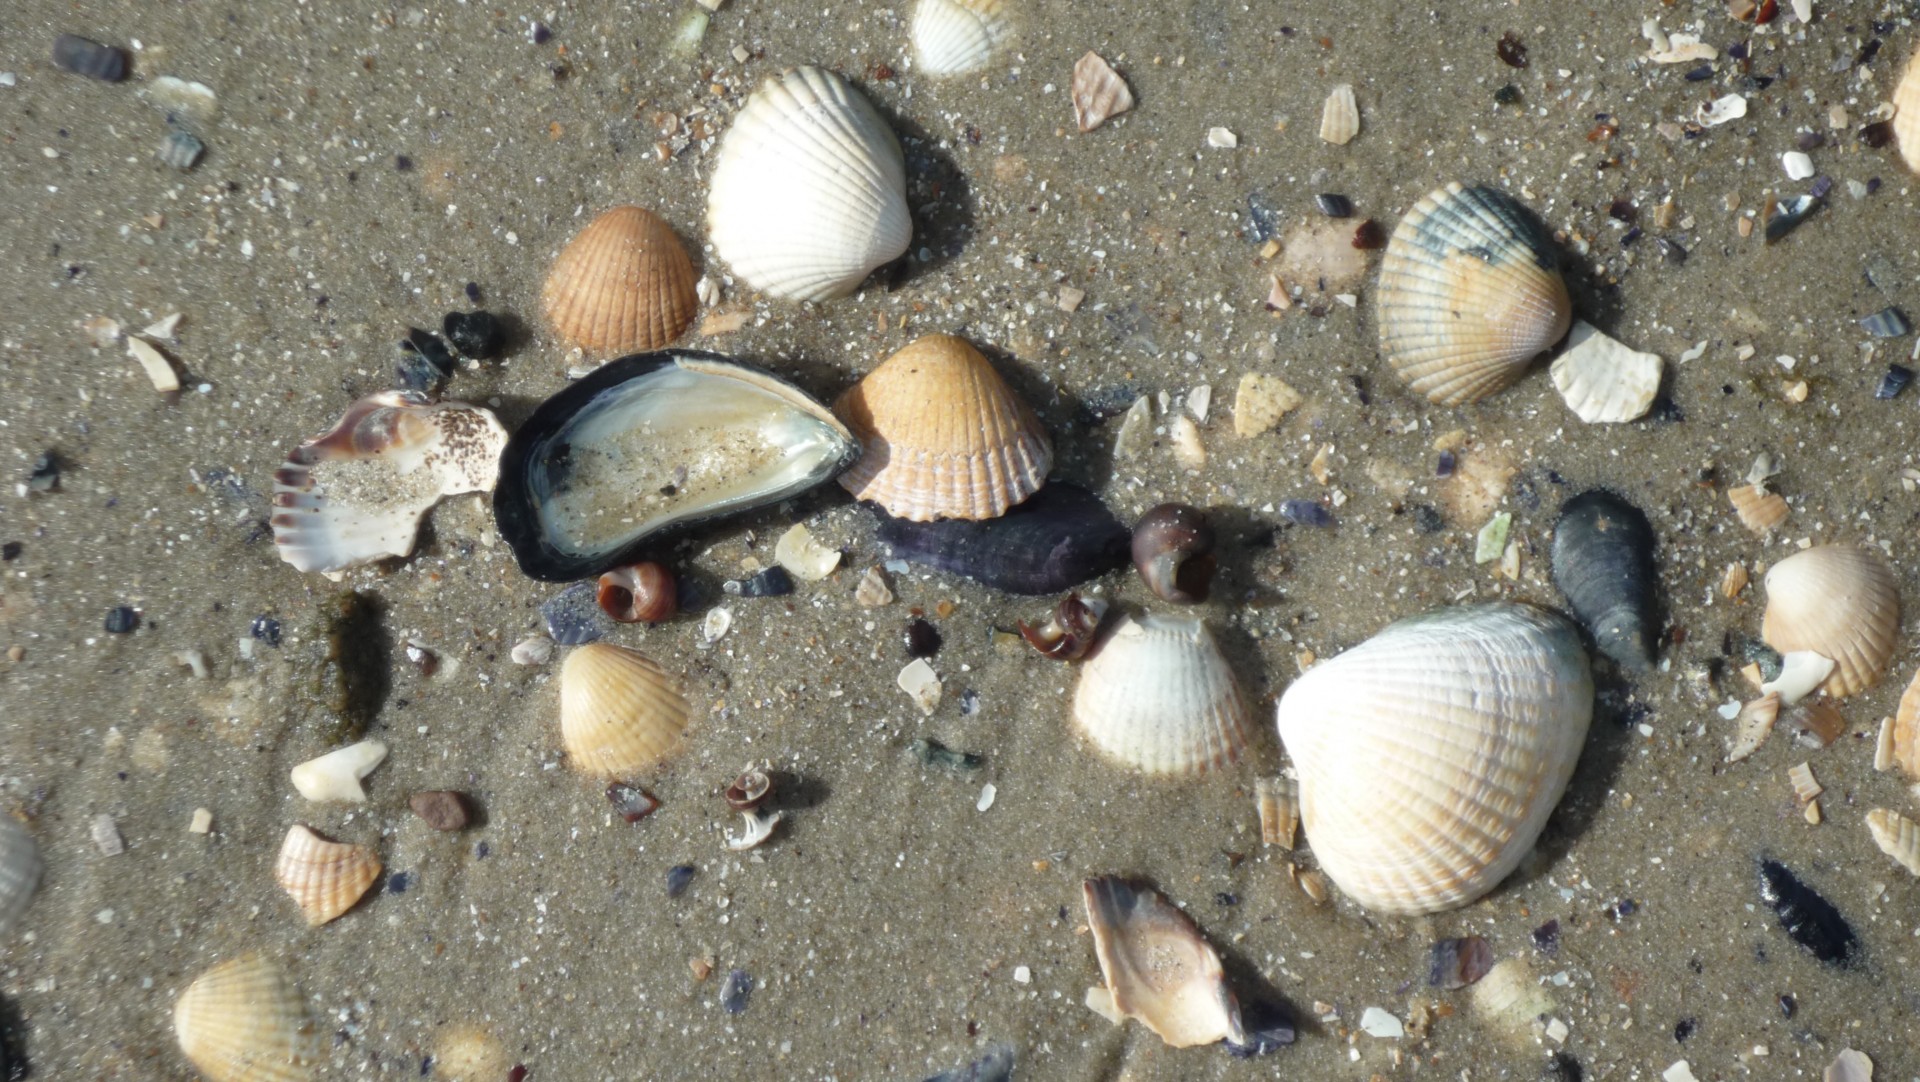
(942, 435)
(621, 285)
(1158, 696)
(1156, 966)
(1906, 116)
(1470, 293)
(1841, 602)
(324, 878)
(1431, 755)
(953, 37)
(20, 869)
(619, 711)
(809, 191)
(243, 1021)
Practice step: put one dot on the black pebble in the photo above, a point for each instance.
(10, 551)
(398, 882)
(121, 620)
(770, 582)
(734, 995)
(473, 292)
(1811, 920)
(1788, 1005)
(679, 877)
(923, 639)
(1684, 1029)
(474, 334)
(1562, 1067)
(89, 58)
(266, 629)
(1426, 519)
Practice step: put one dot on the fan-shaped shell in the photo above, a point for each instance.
(621, 285)
(1159, 697)
(324, 878)
(1603, 381)
(1470, 292)
(1897, 836)
(953, 37)
(1157, 967)
(1906, 117)
(942, 435)
(1430, 755)
(1841, 602)
(809, 192)
(19, 871)
(619, 712)
(243, 1021)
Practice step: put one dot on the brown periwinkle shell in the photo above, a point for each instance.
(1173, 551)
(643, 593)
(1068, 633)
(749, 790)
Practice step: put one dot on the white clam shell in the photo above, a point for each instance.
(20, 869)
(1430, 755)
(1158, 696)
(809, 193)
(953, 37)
(1602, 380)
(1838, 601)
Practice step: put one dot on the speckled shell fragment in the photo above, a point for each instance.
(942, 435)
(324, 878)
(1838, 601)
(243, 1021)
(622, 284)
(1431, 755)
(1156, 966)
(1158, 696)
(20, 869)
(619, 711)
(953, 37)
(809, 192)
(1470, 293)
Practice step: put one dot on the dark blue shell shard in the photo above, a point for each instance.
(1267, 1026)
(76, 54)
(995, 1066)
(1059, 538)
(1603, 563)
(1811, 920)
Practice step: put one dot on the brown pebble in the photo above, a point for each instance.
(16, 652)
(443, 809)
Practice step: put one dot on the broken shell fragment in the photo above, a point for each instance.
(953, 37)
(1470, 294)
(357, 494)
(1261, 402)
(1903, 732)
(1759, 510)
(1159, 697)
(1278, 802)
(1801, 671)
(324, 878)
(336, 775)
(942, 435)
(1431, 755)
(1057, 539)
(1838, 601)
(1897, 837)
(807, 558)
(1340, 116)
(155, 364)
(809, 191)
(1603, 563)
(1509, 1001)
(1752, 726)
(243, 1021)
(20, 868)
(1173, 552)
(651, 442)
(1156, 966)
(1099, 93)
(619, 711)
(1068, 633)
(643, 593)
(1601, 380)
(1906, 117)
(756, 827)
(623, 284)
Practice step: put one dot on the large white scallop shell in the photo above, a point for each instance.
(1158, 696)
(809, 193)
(1431, 755)
(953, 37)
(19, 871)
(243, 1021)
(1838, 601)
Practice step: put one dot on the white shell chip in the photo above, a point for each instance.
(1603, 381)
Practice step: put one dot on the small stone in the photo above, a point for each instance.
(1797, 165)
(799, 553)
(1492, 539)
(987, 794)
(1069, 299)
(266, 629)
(80, 56)
(202, 822)
(121, 620)
(922, 638)
(442, 809)
(921, 684)
(679, 877)
(45, 474)
(181, 150)
(736, 992)
(873, 591)
(106, 835)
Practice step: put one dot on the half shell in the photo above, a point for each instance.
(1838, 601)
(1431, 755)
(1158, 696)
(653, 441)
(619, 712)
(953, 37)
(1603, 562)
(1470, 293)
(1156, 966)
(357, 493)
(942, 435)
(1906, 118)
(809, 192)
(243, 1021)
(624, 283)
(1601, 380)
(20, 869)
(324, 878)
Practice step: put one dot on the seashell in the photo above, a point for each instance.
(1173, 552)
(808, 559)
(20, 868)
(1278, 802)
(1906, 117)
(943, 436)
(809, 192)
(1470, 293)
(1601, 380)
(1431, 755)
(643, 593)
(81, 56)
(1801, 671)
(1509, 1000)
(1759, 510)
(1068, 633)
(953, 37)
(1897, 837)
(1603, 563)
(749, 790)
(619, 712)
(1809, 919)
(1752, 726)
(468, 1052)
(1156, 966)
(755, 828)
(1839, 601)
(1851, 1065)
(1157, 696)
(181, 150)
(1456, 963)
(1805, 786)
(1261, 402)
(1340, 116)
(654, 441)
(1059, 538)
(243, 1021)
(336, 775)
(1099, 93)
(357, 493)
(623, 284)
(324, 878)
(1903, 732)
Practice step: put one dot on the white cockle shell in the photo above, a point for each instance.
(1159, 697)
(953, 37)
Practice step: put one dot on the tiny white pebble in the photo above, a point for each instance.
(987, 793)
(1023, 974)
(1797, 165)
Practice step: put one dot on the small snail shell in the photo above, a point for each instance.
(749, 790)
(642, 593)
(1068, 633)
(1173, 551)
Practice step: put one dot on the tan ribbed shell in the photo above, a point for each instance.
(623, 284)
(324, 878)
(619, 712)
(243, 1021)
(1841, 602)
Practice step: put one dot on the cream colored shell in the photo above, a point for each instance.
(1841, 602)
(1340, 116)
(1897, 836)
(243, 1021)
(20, 869)
(1470, 292)
(1431, 755)
(1158, 696)
(623, 284)
(809, 192)
(1906, 117)
(942, 435)
(1157, 967)
(1601, 380)
(953, 37)
(324, 878)
(1099, 93)
(619, 712)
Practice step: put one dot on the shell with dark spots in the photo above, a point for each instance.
(1603, 563)
(1056, 540)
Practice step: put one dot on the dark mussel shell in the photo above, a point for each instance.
(1059, 538)
(1811, 920)
(81, 56)
(653, 442)
(1603, 562)
(1173, 551)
